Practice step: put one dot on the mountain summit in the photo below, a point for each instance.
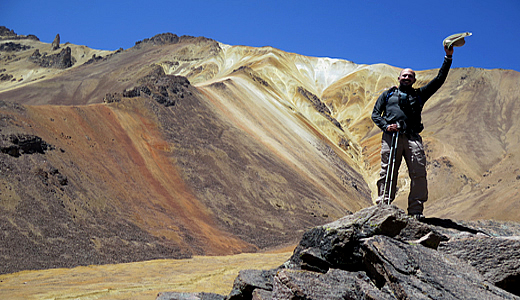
(184, 145)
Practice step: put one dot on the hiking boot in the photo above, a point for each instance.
(418, 217)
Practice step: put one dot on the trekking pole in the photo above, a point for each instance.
(390, 169)
(393, 166)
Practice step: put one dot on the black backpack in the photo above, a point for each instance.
(412, 106)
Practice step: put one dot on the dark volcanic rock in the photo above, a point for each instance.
(94, 59)
(165, 89)
(61, 60)
(9, 34)
(260, 294)
(493, 228)
(56, 42)
(336, 244)
(161, 39)
(6, 32)
(36, 55)
(18, 144)
(169, 38)
(6, 77)
(335, 284)
(497, 259)
(10, 46)
(112, 97)
(248, 281)
(381, 253)
(415, 272)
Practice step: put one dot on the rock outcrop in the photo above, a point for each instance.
(165, 89)
(6, 32)
(11, 47)
(497, 259)
(319, 106)
(381, 253)
(6, 77)
(56, 42)
(18, 144)
(169, 38)
(9, 34)
(61, 60)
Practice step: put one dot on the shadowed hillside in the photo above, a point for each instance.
(182, 145)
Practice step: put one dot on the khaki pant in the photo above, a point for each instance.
(411, 148)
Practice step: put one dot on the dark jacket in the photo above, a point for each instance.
(404, 106)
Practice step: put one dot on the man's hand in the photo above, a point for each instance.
(449, 51)
(392, 128)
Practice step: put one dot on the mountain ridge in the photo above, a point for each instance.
(208, 149)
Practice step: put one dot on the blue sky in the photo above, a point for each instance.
(398, 33)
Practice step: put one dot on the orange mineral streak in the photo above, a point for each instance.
(123, 145)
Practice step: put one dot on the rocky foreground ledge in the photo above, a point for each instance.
(381, 253)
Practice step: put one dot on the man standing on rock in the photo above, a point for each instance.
(398, 110)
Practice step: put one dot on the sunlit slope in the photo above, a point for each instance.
(205, 176)
(121, 160)
(472, 131)
(88, 82)
(25, 72)
(471, 140)
(470, 122)
(260, 146)
(106, 191)
(240, 154)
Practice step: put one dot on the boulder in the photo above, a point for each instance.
(260, 294)
(496, 259)
(36, 55)
(335, 284)
(417, 272)
(337, 244)
(6, 77)
(248, 281)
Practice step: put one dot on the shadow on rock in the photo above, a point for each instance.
(450, 224)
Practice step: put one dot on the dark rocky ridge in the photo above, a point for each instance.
(9, 34)
(61, 60)
(381, 253)
(165, 89)
(170, 39)
(319, 106)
